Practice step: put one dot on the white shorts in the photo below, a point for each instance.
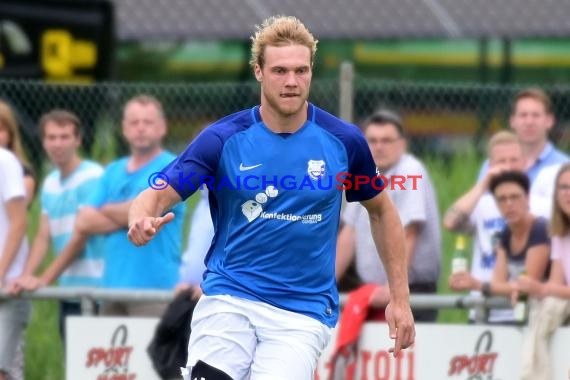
(254, 340)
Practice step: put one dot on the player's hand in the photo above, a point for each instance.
(143, 230)
(401, 325)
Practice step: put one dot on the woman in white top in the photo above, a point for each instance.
(14, 312)
(552, 306)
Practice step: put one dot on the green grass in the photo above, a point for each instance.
(43, 349)
(451, 177)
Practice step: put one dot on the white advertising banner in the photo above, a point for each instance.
(457, 352)
(105, 348)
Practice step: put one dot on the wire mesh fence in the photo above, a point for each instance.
(435, 115)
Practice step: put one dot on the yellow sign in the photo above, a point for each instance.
(62, 55)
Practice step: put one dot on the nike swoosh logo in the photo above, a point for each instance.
(244, 168)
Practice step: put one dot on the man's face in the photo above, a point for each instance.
(143, 127)
(386, 144)
(285, 78)
(60, 143)
(530, 121)
(507, 155)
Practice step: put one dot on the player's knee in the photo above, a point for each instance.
(206, 371)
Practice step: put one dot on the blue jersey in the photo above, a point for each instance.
(155, 265)
(275, 203)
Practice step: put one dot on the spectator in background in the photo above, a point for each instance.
(10, 139)
(154, 266)
(417, 206)
(65, 189)
(523, 245)
(532, 119)
(551, 308)
(476, 213)
(14, 313)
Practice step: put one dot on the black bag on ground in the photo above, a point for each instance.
(168, 349)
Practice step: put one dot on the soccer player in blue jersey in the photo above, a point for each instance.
(270, 299)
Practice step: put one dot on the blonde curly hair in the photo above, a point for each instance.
(280, 31)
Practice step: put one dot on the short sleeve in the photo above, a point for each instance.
(12, 174)
(557, 248)
(539, 233)
(201, 158)
(365, 182)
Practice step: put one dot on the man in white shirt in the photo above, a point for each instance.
(416, 202)
(531, 120)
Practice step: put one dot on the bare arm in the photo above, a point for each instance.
(66, 257)
(40, 247)
(456, 218)
(16, 213)
(92, 221)
(388, 236)
(345, 245)
(145, 214)
(556, 285)
(536, 261)
(117, 212)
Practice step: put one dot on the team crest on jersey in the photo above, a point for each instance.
(316, 169)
